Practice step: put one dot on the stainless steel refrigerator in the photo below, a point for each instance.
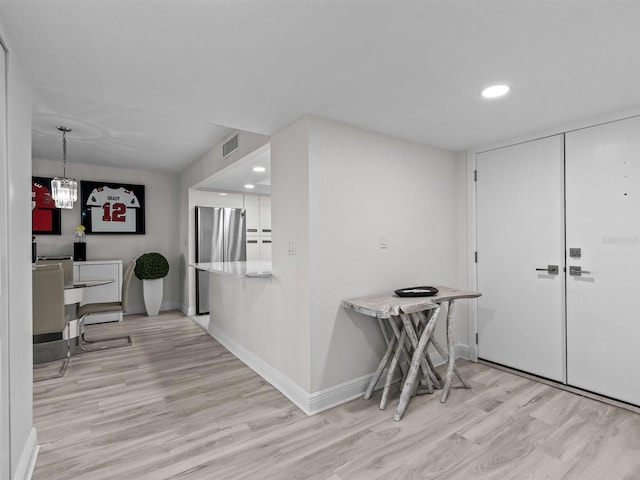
(220, 237)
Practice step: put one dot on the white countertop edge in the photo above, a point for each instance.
(236, 269)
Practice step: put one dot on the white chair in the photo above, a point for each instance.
(48, 306)
(84, 311)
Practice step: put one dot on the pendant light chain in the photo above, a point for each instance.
(64, 154)
(64, 190)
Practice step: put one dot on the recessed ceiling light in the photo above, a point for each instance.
(259, 169)
(222, 194)
(495, 91)
(248, 185)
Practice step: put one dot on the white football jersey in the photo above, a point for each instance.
(113, 210)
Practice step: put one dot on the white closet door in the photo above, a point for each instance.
(520, 228)
(603, 220)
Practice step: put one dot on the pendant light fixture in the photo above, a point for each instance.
(64, 190)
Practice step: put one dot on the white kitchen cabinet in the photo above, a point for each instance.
(265, 249)
(253, 249)
(258, 215)
(265, 216)
(252, 214)
(258, 224)
(258, 249)
(111, 292)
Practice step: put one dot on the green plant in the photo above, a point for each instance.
(150, 266)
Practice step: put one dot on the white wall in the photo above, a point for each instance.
(335, 190)
(265, 322)
(20, 350)
(18, 455)
(290, 318)
(4, 278)
(161, 220)
(363, 185)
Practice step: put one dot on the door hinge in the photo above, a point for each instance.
(476, 338)
(475, 175)
(475, 256)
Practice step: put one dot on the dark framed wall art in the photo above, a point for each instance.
(112, 208)
(45, 217)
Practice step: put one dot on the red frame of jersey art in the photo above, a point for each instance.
(45, 217)
(112, 208)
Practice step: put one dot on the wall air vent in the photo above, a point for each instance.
(230, 146)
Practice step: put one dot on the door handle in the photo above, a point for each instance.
(551, 269)
(577, 271)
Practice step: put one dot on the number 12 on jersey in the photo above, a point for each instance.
(115, 213)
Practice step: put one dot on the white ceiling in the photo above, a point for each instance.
(155, 84)
(236, 176)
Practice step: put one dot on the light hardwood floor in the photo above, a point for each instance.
(177, 405)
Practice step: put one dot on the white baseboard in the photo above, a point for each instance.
(139, 308)
(338, 394)
(170, 306)
(347, 391)
(27, 462)
(133, 309)
(286, 386)
(316, 402)
(462, 351)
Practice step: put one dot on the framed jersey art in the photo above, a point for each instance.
(45, 217)
(112, 208)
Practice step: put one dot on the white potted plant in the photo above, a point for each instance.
(151, 268)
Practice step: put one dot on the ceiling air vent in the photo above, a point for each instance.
(230, 146)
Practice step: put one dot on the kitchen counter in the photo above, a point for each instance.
(251, 269)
